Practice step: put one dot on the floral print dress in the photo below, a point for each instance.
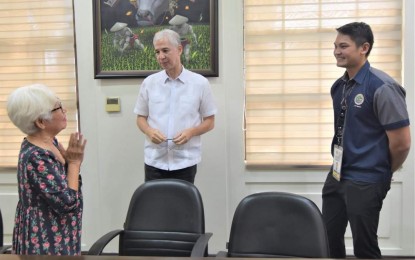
(49, 213)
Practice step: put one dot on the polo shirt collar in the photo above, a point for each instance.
(183, 77)
(360, 76)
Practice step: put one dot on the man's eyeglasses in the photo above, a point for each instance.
(57, 108)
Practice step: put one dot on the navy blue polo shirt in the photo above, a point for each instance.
(375, 103)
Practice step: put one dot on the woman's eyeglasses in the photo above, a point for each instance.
(57, 108)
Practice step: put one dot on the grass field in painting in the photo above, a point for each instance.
(137, 59)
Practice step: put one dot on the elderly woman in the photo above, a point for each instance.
(49, 211)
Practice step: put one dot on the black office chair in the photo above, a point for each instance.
(277, 224)
(3, 249)
(165, 218)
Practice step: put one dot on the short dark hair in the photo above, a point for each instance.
(359, 32)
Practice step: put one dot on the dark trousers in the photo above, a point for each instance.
(187, 174)
(359, 204)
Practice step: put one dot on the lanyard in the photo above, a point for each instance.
(347, 90)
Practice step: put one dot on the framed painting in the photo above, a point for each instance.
(124, 31)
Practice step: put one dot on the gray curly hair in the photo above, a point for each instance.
(29, 103)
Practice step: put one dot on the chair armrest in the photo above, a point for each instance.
(4, 249)
(221, 254)
(99, 245)
(200, 246)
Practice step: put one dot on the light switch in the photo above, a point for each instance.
(113, 104)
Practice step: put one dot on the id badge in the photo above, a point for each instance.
(337, 162)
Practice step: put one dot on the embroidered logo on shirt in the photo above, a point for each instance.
(358, 100)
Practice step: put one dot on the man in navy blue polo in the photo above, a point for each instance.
(371, 141)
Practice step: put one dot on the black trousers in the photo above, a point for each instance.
(359, 204)
(187, 174)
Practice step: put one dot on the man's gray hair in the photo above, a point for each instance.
(172, 36)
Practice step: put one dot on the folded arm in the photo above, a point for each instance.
(399, 145)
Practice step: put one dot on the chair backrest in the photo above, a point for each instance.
(165, 218)
(276, 224)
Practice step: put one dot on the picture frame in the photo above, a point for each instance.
(124, 31)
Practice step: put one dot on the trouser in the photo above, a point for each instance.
(187, 174)
(359, 204)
